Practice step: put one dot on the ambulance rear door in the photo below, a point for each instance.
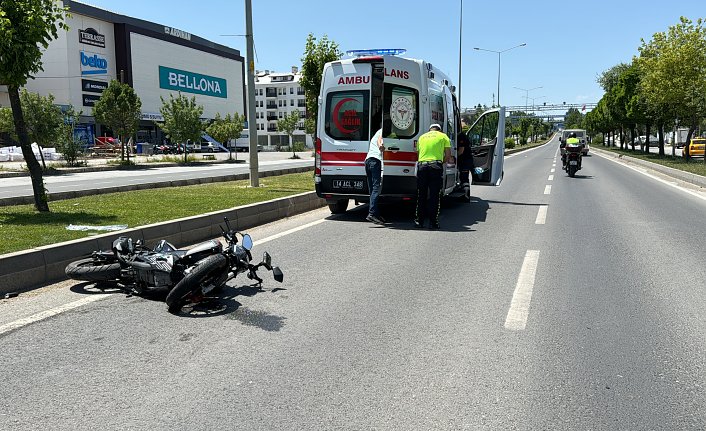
(345, 127)
(401, 126)
(487, 136)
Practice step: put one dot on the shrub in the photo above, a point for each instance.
(509, 143)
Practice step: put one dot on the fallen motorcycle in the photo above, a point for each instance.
(139, 269)
(215, 271)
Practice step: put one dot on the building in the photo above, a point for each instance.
(155, 59)
(277, 95)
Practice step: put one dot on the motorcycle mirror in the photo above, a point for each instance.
(267, 260)
(277, 274)
(247, 242)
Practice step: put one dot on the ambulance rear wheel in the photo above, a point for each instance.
(338, 207)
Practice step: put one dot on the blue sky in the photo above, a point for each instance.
(568, 43)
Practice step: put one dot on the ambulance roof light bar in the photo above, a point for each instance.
(373, 52)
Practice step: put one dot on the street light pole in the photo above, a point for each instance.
(527, 94)
(499, 52)
(252, 123)
(460, 40)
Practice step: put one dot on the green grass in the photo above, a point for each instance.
(22, 227)
(695, 165)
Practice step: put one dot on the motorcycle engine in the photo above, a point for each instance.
(159, 273)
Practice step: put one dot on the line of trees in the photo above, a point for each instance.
(664, 87)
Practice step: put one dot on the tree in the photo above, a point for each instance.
(673, 65)
(573, 119)
(225, 129)
(43, 119)
(27, 26)
(119, 108)
(316, 55)
(288, 125)
(6, 123)
(182, 120)
(69, 146)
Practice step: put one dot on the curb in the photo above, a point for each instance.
(30, 269)
(28, 200)
(688, 177)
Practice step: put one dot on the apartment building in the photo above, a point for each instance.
(276, 96)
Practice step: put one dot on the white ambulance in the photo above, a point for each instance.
(403, 96)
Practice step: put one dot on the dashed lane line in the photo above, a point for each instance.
(541, 215)
(516, 319)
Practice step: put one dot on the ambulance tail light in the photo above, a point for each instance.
(317, 157)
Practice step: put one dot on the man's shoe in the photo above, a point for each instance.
(373, 219)
(434, 225)
(418, 224)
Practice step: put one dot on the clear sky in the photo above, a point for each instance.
(569, 43)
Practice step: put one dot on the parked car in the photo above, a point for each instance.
(695, 148)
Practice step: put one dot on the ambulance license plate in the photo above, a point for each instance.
(348, 184)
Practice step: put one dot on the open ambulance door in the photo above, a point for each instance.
(487, 136)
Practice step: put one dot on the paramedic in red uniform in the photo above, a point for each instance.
(433, 150)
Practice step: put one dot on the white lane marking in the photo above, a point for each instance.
(541, 215)
(553, 170)
(547, 190)
(51, 312)
(87, 300)
(641, 171)
(551, 178)
(287, 232)
(516, 319)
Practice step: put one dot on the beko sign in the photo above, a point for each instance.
(93, 64)
(90, 36)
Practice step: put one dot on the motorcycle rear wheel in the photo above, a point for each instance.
(572, 170)
(205, 270)
(93, 270)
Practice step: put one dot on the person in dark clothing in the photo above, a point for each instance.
(465, 163)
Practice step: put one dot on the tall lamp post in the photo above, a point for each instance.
(252, 123)
(527, 90)
(499, 52)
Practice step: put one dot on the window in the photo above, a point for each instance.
(291, 90)
(485, 130)
(401, 107)
(291, 102)
(347, 115)
(280, 115)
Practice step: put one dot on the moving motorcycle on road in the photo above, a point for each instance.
(216, 270)
(139, 269)
(573, 160)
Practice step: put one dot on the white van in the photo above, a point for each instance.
(243, 142)
(580, 135)
(403, 96)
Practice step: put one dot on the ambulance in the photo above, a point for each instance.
(403, 96)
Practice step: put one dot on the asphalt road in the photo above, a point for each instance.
(549, 302)
(22, 186)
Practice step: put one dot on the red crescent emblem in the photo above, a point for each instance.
(336, 121)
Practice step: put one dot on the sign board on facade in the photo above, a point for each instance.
(93, 86)
(90, 36)
(177, 33)
(190, 82)
(93, 64)
(151, 116)
(90, 99)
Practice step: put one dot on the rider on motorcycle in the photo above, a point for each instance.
(572, 141)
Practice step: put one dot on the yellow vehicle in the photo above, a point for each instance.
(695, 148)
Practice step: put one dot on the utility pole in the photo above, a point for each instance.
(460, 39)
(252, 123)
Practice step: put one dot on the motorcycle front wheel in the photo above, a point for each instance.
(207, 270)
(93, 270)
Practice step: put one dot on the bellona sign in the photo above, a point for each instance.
(189, 82)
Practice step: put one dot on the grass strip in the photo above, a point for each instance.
(22, 227)
(694, 165)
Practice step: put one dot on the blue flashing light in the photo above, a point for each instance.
(367, 52)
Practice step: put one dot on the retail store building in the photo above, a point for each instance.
(155, 59)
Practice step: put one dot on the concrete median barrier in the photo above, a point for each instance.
(29, 269)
